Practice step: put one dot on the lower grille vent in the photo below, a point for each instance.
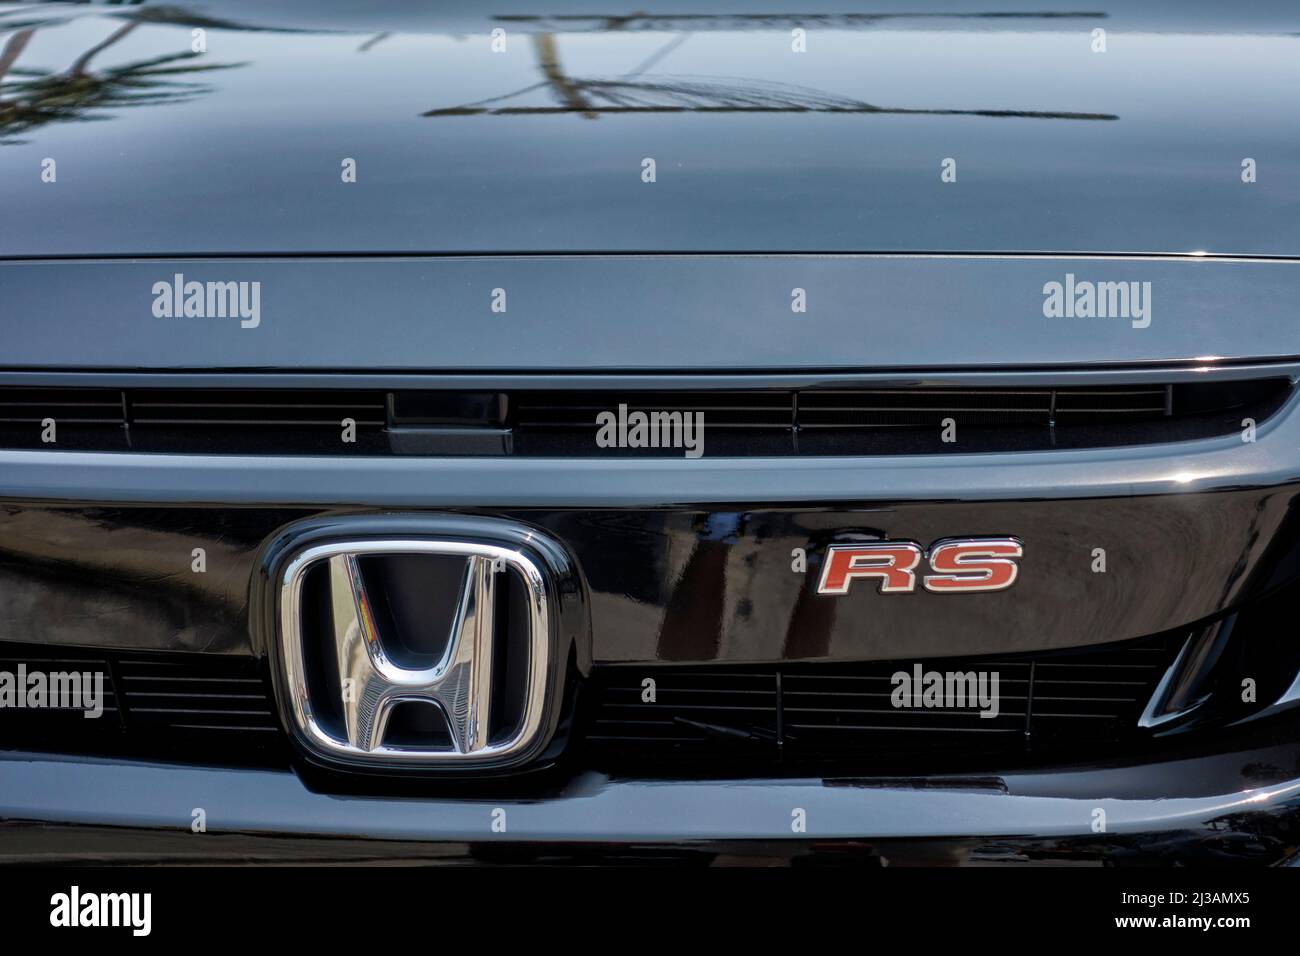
(833, 719)
(199, 707)
(842, 715)
(208, 695)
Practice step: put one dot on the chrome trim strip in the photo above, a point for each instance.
(1176, 372)
(1181, 690)
(1152, 715)
(596, 808)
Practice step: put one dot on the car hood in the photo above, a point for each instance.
(1056, 146)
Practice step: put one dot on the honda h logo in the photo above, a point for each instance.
(349, 667)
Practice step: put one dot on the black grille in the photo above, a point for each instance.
(195, 694)
(13, 661)
(838, 715)
(245, 421)
(72, 406)
(834, 719)
(197, 707)
(529, 422)
(1081, 405)
(858, 420)
(255, 408)
(921, 407)
(770, 410)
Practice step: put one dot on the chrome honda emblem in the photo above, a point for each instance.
(371, 683)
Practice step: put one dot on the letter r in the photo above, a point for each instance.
(893, 562)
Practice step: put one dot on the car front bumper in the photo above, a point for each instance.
(1236, 807)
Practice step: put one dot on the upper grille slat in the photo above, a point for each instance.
(738, 422)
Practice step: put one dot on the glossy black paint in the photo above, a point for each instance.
(697, 585)
(233, 157)
(539, 148)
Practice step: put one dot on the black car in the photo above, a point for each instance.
(609, 433)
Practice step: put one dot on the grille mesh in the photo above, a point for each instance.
(73, 406)
(843, 712)
(739, 422)
(196, 707)
(255, 408)
(772, 410)
(11, 662)
(209, 694)
(833, 718)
